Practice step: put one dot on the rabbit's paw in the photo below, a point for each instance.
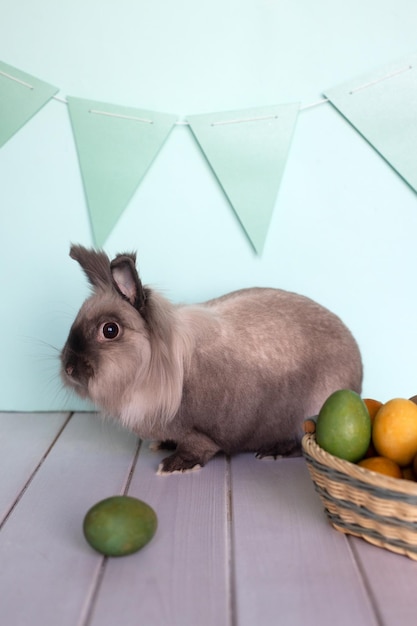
(279, 450)
(175, 464)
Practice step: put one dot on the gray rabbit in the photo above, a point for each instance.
(238, 373)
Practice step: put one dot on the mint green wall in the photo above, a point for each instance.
(344, 227)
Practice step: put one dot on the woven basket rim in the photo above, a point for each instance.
(401, 487)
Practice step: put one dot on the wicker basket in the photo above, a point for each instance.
(378, 508)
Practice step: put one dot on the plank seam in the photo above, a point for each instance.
(231, 545)
(132, 468)
(34, 472)
(86, 619)
(372, 599)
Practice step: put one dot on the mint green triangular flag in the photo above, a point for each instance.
(247, 151)
(382, 106)
(21, 97)
(115, 145)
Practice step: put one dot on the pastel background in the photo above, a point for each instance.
(344, 226)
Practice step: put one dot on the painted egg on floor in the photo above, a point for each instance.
(119, 525)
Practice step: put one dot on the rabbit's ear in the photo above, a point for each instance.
(96, 265)
(127, 281)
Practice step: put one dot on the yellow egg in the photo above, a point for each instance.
(394, 432)
(381, 465)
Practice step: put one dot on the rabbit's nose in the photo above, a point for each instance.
(69, 369)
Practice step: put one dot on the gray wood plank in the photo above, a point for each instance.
(276, 559)
(181, 578)
(24, 440)
(289, 562)
(47, 569)
(391, 579)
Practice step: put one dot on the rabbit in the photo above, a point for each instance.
(239, 373)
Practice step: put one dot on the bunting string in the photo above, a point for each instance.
(247, 150)
(16, 80)
(380, 80)
(182, 123)
(122, 117)
(262, 118)
(185, 123)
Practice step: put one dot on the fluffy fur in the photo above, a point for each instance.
(237, 373)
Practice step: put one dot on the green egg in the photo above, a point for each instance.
(119, 525)
(343, 426)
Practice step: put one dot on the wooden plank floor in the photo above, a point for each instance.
(241, 542)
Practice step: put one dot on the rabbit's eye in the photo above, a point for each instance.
(110, 330)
